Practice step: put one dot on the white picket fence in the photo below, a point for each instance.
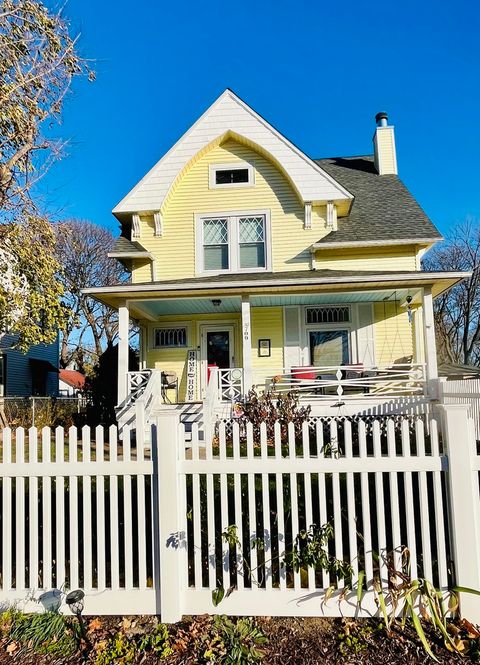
(378, 482)
(466, 391)
(140, 529)
(76, 512)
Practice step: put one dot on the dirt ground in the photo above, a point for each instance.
(290, 642)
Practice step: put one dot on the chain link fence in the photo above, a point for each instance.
(41, 411)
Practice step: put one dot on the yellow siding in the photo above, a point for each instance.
(175, 250)
(393, 334)
(174, 360)
(267, 323)
(368, 258)
(385, 145)
(142, 271)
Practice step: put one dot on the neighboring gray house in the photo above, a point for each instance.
(32, 373)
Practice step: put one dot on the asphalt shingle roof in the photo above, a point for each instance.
(123, 244)
(383, 208)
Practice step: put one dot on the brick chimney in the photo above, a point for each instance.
(384, 146)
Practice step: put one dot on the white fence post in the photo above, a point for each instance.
(464, 504)
(165, 437)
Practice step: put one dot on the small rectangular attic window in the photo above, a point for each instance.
(231, 175)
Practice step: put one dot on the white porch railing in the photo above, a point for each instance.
(346, 380)
(136, 383)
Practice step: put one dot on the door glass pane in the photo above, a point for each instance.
(328, 347)
(218, 349)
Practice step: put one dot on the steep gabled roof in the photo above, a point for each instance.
(230, 116)
(383, 210)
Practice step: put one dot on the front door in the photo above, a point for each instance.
(217, 350)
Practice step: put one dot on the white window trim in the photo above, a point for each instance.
(233, 244)
(166, 326)
(349, 326)
(236, 166)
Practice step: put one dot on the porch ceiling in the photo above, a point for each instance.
(332, 298)
(229, 304)
(188, 306)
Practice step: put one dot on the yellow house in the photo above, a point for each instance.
(256, 265)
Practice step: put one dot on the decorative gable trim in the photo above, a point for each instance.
(308, 216)
(230, 114)
(158, 221)
(135, 225)
(331, 214)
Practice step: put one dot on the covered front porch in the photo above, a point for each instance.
(333, 336)
(347, 344)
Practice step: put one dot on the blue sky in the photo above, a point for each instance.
(318, 71)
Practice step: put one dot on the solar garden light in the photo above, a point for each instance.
(75, 601)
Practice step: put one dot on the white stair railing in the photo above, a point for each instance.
(210, 402)
(144, 388)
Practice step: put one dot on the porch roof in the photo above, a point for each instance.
(339, 285)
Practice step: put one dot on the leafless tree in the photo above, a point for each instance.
(82, 249)
(457, 312)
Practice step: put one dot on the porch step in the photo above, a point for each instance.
(190, 413)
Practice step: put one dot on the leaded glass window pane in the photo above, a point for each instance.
(328, 314)
(252, 242)
(251, 229)
(215, 231)
(215, 244)
(171, 337)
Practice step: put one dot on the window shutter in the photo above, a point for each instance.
(365, 334)
(292, 352)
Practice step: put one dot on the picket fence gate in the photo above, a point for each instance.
(142, 528)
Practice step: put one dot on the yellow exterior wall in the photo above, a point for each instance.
(368, 258)
(267, 323)
(175, 250)
(394, 338)
(174, 360)
(385, 146)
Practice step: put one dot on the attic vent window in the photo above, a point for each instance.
(170, 337)
(231, 175)
(328, 314)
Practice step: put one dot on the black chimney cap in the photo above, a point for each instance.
(381, 116)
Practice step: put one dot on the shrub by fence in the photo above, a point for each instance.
(41, 411)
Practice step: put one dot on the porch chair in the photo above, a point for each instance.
(169, 382)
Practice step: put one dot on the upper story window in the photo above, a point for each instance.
(240, 174)
(233, 243)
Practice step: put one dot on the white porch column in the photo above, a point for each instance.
(123, 321)
(246, 344)
(429, 336)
